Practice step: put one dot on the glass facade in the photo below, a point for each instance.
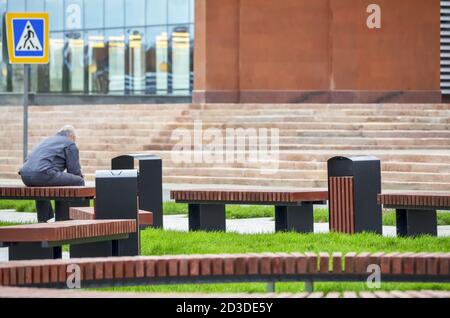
(124, 47)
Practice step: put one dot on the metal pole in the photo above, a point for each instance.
(309, 285)
(26, 85)
(271, 287)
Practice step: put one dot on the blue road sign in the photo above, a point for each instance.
(27, 37)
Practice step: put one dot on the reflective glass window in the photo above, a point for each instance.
(56, 61)
(3, 63)
(134, 12)
(93, 14)
(55, 10)
(135, 80)
(110, 47)
(116, 61)
(16, 5)
(40, 74)
(157, 60)
(97, 62)
(178, 11)
(156, 12)
(17, 77)
(192, 13)
(35, 5)
(74, 61)
(181, 60)
(15, 71)
(114, 13)
(73, 14)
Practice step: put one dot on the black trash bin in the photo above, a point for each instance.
(353, 186)
(149, 182)
(116, 193)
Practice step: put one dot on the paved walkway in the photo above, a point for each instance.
(180, 223)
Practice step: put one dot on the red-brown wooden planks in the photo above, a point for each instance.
(47, 192)
(66, 230)
(433, 200)
(88, 213)
(249, 196)
(341, 204)
(117, 268)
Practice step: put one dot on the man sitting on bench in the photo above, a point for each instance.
(53, 162)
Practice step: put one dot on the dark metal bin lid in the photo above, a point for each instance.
(116, 173)
(354, 158)
(140, 156)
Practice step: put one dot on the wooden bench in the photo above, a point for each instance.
(23, 292)
(29, 241)
(293, 209)
(64, 197)
(88, 213)
(415, 212)
(227, 268)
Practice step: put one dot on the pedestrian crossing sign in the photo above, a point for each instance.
(27, 37)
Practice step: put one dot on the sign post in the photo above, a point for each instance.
(27, 37)
(26, 90)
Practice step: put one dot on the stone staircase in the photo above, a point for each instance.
(413, 141)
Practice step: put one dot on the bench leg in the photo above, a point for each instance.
(294, 218)
(44, 210)
(30, 251)
(207, 217)
(97, 249)
(62, 208)
(416, 222)
(85, 250)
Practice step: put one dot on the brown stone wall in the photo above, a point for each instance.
(284, 45)
(217, 50)
(316, 51)
(403, 55)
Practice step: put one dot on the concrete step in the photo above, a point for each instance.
(295, 183)
(311, 111)
(50, 128)
(320, 106)
(411, 140)
(298, 147)
(284, 165)
(271, 171)
(374, 133)
(310, 156)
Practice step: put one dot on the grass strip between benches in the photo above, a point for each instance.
(158, 242)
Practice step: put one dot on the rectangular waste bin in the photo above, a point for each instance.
(116, 199)
(353, 186)
(149, 182)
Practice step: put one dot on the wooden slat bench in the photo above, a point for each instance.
(195, 269)
(88, 213)
(415, 212)
(29, 240)
(23, 292)
(293, 209)
(64, 197)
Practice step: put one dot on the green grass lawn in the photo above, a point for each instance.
(18, 205)
(233, 211)
(158, 242)
(8, 224)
